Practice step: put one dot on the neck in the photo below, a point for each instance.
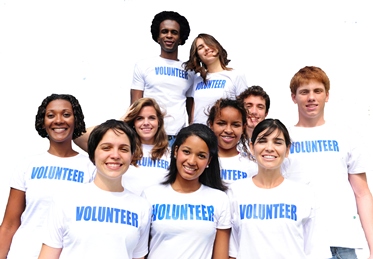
(268, 179)
(228, 152)
(169, 55)
(249, 132)
(185, 186)
(110, 185)
(214, 67)
(309, 123)
(63, 149)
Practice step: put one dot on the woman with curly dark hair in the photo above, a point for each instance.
(59, 119)
(214, 79)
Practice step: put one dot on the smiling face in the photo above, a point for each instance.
(169, 37)
(311, 99)
(59, 121)
(112, 156)
(146, 124)
(270, 151)
(207, 54)
(228, 127)
(192, 157)
(256, 107)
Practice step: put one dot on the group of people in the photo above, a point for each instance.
(193, 169)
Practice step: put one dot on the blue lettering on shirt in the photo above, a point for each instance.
(312, 146)
(57, 173)
(211, 84)
(107, 214)
(148, 162)
(232, 174)
(268, 211)
(171, 71)
(183, 212)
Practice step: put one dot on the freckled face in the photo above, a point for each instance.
(192, 157)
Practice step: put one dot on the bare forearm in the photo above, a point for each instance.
(6, 236)
(365, 210)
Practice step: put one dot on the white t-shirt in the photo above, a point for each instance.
(236, 168)
(224, 84)
(89, 222)
(168, 83)
(273, 223)
(41, 177)
(322, 157)
(148, 172)
(184, 224)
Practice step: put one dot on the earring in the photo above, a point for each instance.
(207, 166)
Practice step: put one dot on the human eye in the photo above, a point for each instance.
(152, 117)
(175, 32)
(138, 118)
(105, 147)
(202, 156)
(66, 114)
(124, 149)
(49, 115)
(186, 151)
(318, 91)
(237, 125)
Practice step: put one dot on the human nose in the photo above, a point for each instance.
(146, 121)
(192, 159)
(58, 118)
(114, 153)
(253, 111)
(311, 96)
(228, 128)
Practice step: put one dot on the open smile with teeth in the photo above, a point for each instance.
(59, 129)
(113, 165)
(269, 157)
(189, 169)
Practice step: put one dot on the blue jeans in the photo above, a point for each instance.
(343, 253)
(171, 140)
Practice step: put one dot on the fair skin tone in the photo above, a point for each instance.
(112, 159)
(228, 127)
(209, 56)
(256, 107)
(270, 152)
(59, 123)
(311, 99)
(146, 125)
(192, 157)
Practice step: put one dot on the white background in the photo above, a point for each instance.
(88, 48)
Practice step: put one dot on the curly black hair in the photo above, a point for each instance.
(79, 127)
(174, 16)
